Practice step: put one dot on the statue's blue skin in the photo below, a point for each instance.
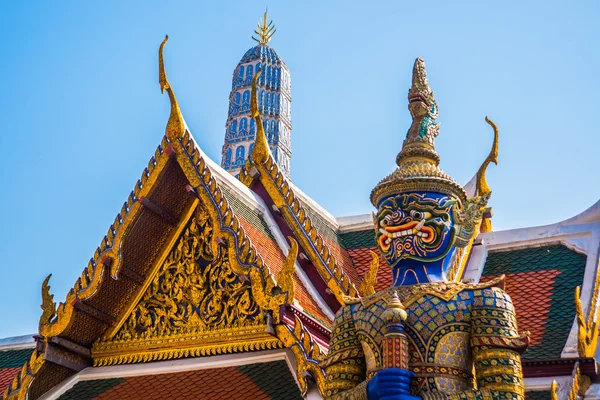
(426, 263)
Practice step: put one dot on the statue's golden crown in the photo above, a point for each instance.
(418, 161)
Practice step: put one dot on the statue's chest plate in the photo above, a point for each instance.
(437, 329)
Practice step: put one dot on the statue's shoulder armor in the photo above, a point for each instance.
(491, 294)
(496, 283)
(443, 290)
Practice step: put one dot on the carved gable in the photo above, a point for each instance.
(195, 304)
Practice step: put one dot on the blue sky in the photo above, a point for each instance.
(82, 112)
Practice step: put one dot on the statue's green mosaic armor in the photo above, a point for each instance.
(454, 329)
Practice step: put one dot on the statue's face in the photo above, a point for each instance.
(416, 226)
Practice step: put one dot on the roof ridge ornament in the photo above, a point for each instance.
(175, 126)
(264, 30)
(482, 187)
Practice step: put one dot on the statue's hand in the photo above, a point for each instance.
(391, 384)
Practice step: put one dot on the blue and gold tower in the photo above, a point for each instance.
(274, 105)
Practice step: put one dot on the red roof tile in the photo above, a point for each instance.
(6, 377)
(261, 381)
(532, 305)
(211, 384)
(273, 256)
(343, 259)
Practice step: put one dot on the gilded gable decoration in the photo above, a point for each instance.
(308, 354)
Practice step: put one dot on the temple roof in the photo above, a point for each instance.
(541, 282)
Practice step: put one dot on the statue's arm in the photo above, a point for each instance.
(496, 348)
(344, 365)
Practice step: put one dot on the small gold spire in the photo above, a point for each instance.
(264, 31)
(260, 152)
(553, 391)
(175, 126)
(394, 311)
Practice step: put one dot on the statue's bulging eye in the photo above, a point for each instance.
(420, 214)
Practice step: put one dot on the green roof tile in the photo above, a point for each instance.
(273, 378)
(359, 239)
(14, 358)
(538, 395)
(253, 216)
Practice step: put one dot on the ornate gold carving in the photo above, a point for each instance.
(367, 286)
(308, 354)
(48, 305)
(295, 215)
(580, 384)
(175, 126)
(198, 305)
(285, 278)
(208, 296)
(19, 387)
(195, 289)
(468, 219)
(587, 330)
(211, 341)
(264, 31)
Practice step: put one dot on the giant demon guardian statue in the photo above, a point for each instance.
(428, 336)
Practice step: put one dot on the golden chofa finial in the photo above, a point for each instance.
(260, 152)
(264, 31)
(482, 185)
(175, 126)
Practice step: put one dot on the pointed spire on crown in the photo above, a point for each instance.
(418, 161)
(420, 84)
(424, 111)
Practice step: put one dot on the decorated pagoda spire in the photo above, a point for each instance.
(274, 104)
